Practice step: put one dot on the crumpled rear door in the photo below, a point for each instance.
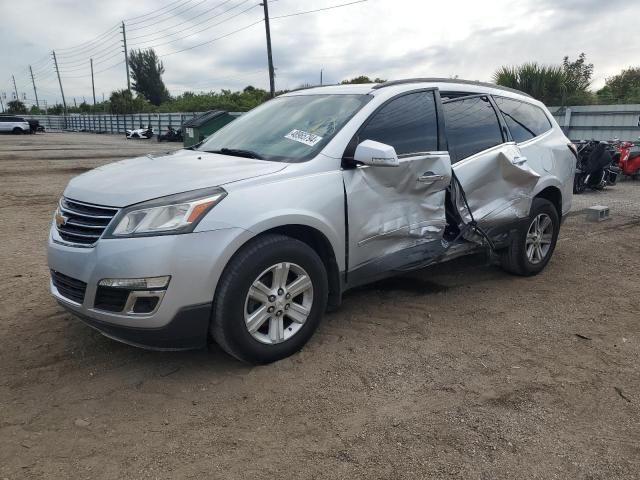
(498, 185)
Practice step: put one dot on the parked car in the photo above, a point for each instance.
(250, 236)
(13, 124)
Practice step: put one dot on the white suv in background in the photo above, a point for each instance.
(9, 123)
(249, 236)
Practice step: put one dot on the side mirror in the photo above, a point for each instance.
(376, 154)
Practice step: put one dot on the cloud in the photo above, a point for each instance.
(404, 38)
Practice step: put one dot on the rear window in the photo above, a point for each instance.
(525, 121)
(472, 126)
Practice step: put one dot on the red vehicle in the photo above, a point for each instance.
(628, 158)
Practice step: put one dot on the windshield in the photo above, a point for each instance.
(289, 129)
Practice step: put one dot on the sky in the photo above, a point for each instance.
(214, 44)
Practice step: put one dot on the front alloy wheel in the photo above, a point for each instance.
(270, 299)
(278, 303)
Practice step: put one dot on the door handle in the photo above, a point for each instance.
(518, 160)
(430, 177)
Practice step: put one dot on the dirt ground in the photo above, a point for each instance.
(456, 372)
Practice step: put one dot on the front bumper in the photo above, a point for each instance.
(194, 261)
(186, 331)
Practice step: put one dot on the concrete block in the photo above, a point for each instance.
(597, 213)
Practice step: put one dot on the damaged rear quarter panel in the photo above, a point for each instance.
(497, 191)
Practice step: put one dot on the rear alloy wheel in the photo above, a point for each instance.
(17, 131)
(533, 245)
(270, 299)
(539, 238)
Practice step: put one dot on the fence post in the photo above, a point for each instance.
(567, 121)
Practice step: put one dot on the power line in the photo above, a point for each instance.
(318, 9)
(187, 21)
(214, 40)
(62, 74)
(160, 21)
(154, 11)
(99, 47)
(84, 45)
(102, 54)
(203, 29)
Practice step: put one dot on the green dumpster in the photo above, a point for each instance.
(201, 126)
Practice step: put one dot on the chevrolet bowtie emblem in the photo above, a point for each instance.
(60, 219)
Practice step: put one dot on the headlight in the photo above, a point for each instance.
(167, 215)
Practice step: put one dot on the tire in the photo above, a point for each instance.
(233, 304)
(578, 184)
(17, 131)
(515, 259)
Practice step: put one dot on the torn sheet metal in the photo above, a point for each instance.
(498, 185)
(393, 208)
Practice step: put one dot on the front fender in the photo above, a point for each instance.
(315, 201)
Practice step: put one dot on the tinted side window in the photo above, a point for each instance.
(472, 126)
(525, 121)
(407, 123)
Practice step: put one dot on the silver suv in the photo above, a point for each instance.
(248, 238)
(9, 123)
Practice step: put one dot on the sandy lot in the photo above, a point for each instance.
(456, 372)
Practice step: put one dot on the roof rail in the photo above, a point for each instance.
(448, 80)
(312, 86)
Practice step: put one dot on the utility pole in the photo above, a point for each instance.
(74, 102)
(1, 103)
(34, 87)
(55, 62)
(320, 77)
(126, 55)
(15, 89)
(93, 86)
(272, 86)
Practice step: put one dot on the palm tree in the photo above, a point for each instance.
(547, 83)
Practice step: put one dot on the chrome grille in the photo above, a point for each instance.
(84, 223)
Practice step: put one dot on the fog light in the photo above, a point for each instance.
(151, 283)
(145, 304)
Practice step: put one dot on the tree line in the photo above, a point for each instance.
(563, 84)
(569, 83)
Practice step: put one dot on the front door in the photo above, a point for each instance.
(396, 213)
(494, 174)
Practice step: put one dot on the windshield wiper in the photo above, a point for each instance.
(237, 152)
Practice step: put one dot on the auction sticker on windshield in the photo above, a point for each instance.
(303, 137)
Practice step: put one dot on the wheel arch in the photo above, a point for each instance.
(554, 195)
(314, 238)
(319, 242)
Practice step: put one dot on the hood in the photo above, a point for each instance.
(143, 178)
